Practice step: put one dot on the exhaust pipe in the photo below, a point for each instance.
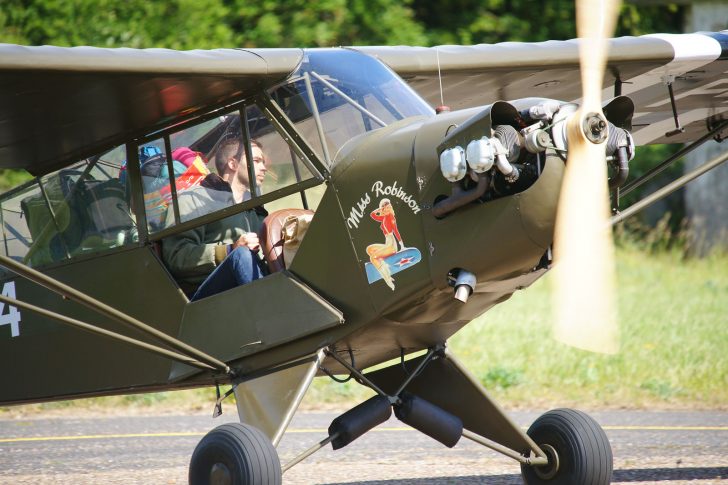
(464, 283)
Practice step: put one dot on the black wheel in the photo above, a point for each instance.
(235, 454)
(578, 450)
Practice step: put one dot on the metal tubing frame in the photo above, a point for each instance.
(248, 149)
(352, 102)
(79, 297)
(317, 118)
(301, 393)
(308, 452)
(526, 460)
(280, 122)
(670, 160)
(540, 455)
(54, 217)
(2, 225)
(428, 358)
(136, 186)
(64, 208)
(678, 129)
(235, 209)
(106, 333)
(288, 131)
(298, 459)
(669, 188)
(356, 373)
(172, 179)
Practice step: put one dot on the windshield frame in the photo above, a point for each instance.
(364, 76)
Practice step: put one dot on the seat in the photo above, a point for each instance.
(271, 236)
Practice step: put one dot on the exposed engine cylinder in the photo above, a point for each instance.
(511, 140)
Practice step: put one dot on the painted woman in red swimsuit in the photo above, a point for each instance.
(377, 252)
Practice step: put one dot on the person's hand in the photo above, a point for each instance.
(249, 240)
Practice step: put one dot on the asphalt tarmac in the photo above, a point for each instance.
(649, 448)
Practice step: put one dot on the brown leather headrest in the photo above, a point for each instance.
(271, 237)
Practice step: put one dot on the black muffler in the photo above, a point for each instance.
(357, 421)
(432, 420)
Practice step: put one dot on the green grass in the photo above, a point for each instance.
(674, 346)
(673, 315)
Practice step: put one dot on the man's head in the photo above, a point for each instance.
(231, 165)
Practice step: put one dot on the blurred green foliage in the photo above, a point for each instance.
(205, 24)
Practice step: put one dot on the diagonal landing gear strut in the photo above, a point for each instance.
(443, 400)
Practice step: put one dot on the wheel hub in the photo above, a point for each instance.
(548, 471)
(220, 475)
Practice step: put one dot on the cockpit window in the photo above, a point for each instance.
(209, 164)
(336, 95)
(82, 208)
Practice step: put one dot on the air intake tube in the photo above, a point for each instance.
(508, 143)
(620, 147)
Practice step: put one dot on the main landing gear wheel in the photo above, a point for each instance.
(235, 454)
(577, 448)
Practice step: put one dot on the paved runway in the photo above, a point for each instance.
(649, 448)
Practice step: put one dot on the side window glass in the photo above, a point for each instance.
(16, 231)
(210, 153)
(79, 209)
(312, 197)
(211, 171)
(295, 102)
(155, 182)
(276, 165)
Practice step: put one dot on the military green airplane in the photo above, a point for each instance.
(385, 225)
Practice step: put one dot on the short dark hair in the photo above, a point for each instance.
(227, 148)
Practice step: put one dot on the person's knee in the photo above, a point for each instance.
(244, 265)
(241, 255)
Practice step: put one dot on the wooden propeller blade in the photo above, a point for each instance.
(595, 21)
(583, 247)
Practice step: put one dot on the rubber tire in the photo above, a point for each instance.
(247, 453)
(585, 455)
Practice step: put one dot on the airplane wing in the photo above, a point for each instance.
(61, 102)
(58, 103)
(696, 65)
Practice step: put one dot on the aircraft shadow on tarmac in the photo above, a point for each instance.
(620, 476)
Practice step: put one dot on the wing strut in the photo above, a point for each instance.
(106, 310)
(106, 333)
(670, 160)
(669, 188)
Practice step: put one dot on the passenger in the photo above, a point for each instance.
(222, 254)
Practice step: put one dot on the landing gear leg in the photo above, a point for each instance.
(577, 448)
(235, 454)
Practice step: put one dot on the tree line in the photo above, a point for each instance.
(205, 24)
(208, 24)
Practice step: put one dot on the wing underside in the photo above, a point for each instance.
(57, 103)
(640, 67)
(60, 103)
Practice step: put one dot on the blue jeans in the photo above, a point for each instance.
(241, 266)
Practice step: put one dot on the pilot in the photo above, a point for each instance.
(222, 254)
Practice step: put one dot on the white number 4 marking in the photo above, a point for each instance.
(12, 317)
